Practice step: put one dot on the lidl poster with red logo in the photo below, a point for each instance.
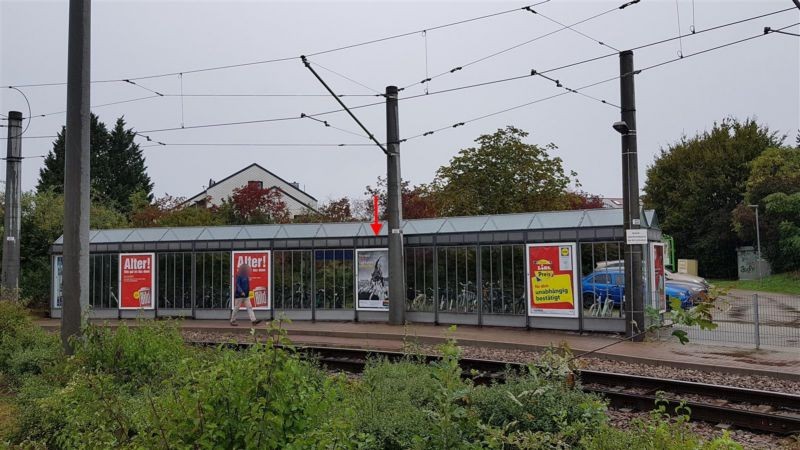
(258, 263)
(137, 281)
(658, 276)
(552, 284)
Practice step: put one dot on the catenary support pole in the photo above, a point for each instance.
(634, 280)
(397, 291)
(13, 213)
(76, 173)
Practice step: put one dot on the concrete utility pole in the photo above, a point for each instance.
(76, 173)
(634, 280)
(13, 214)
(397, 281)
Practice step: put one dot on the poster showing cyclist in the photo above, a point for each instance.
(372, 286)
(552, 282)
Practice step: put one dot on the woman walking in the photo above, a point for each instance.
(242, 295)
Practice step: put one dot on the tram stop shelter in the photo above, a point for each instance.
(514, 270)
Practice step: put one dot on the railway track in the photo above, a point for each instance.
(750, 409)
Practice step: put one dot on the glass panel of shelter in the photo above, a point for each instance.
(334, 279)
(292, 278)
(103, 280)
(602, 279)
(457, 270)
(503, 278)
(419, 279)
(213, 280)
(174, 280)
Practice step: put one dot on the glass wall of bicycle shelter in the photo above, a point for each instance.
(213, 280)
(174, 280)
(334, 279)
(602, 278)
(503, 278)
(457, 270)
(419, 279)
(292, 278)
(103, 281)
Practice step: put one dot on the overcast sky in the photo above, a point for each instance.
(758, 78)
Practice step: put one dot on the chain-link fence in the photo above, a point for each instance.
(749, 319)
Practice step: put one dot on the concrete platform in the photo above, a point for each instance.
(381, 336)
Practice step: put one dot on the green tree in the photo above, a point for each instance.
(51, 176)
(123, 170)
(42, 224)
(695, 184)
(117, 165)
(773, 185)
(503, 174)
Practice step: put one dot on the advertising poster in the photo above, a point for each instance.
(258, 262)
(658, 276)
(372, 286)
(553, 284)
(58, 281)
(137, 280)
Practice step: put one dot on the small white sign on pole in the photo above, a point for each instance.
(636, 237)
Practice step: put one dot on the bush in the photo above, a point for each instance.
(659, 431)
(535, 403)
(148, 352)
(25, 349)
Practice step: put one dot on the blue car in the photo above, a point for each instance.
(601, 285)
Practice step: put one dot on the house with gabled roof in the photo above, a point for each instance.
(298, 202)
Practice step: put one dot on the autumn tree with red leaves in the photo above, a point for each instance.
(252, 204)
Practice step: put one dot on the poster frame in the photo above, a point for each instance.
(355, 287)
(652, 274)
(568, 314)
(153, 291)
(56, 284)
(269, 279)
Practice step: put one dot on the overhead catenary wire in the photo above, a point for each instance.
(458, 68)
(143, 87)
(339, 100)
(714, 28)
(680, 30)
(119, 102)
(294, 58)
(577, 90)
(27, 102)
(328, 125)
(728, 44)
(481, 84)
(570, 27)
(346, 77)
(257, 144)
(512, 108)
(503, 80)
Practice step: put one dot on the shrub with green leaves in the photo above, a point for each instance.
(535, 403)
(25, 348)
(141, 354)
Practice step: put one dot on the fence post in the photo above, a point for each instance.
(757, 334)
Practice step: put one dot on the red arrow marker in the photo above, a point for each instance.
(376, 225)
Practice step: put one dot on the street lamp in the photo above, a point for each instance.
(758, 241)
(622, 127)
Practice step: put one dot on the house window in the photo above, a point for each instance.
(255, 184)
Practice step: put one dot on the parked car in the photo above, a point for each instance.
(671, 276)
(610, 283)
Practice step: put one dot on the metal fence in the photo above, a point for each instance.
(756, 320)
